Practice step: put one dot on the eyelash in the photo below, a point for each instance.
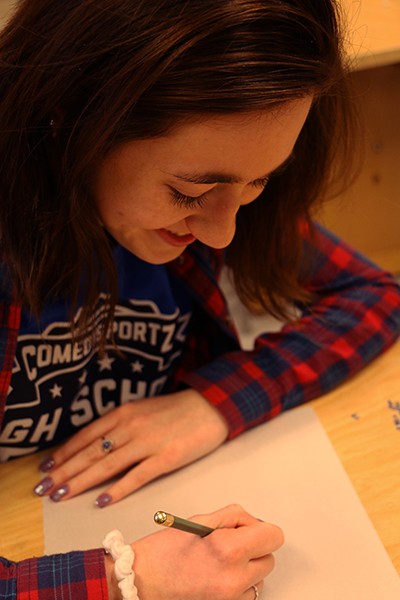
(180, 199)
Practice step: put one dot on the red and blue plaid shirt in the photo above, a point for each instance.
(356, 317)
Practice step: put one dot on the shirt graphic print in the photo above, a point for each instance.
(59, 385)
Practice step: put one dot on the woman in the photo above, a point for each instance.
(145, 145)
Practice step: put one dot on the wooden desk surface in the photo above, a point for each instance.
(357, 418)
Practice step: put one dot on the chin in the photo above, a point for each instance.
(154, 256)
(150, 249)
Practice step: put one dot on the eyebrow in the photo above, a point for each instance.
(215, 177)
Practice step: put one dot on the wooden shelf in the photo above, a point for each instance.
(373, 32)
(368, 214)
(6, 7)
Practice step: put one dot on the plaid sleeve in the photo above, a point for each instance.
(71, 576)
(356, 317)
(9, 325)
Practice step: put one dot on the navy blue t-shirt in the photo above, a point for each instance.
(59, 386)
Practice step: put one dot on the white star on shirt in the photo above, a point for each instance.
(82, 378)
(137, 366)
(56, 391)
(105, 363)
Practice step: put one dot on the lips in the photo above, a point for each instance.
(176, 239)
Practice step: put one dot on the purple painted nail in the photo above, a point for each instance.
(47, 464)
(43, 486)
(103, 500)
(60, 493)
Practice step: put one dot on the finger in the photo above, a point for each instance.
(78, 463)
(260, 539)
(259, 568)
(258, 536)
(92, 455)
(254, 592)
(231, 516)
(143, 472)
(76, 480)
(56, 484)
(253, 556)
(85, 437)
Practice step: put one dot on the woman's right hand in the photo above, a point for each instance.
(175, 565)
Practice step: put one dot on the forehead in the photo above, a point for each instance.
(248, 145)
(286, 118)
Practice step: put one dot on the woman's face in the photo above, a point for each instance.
(156, 196)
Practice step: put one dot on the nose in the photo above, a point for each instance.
(214, 224)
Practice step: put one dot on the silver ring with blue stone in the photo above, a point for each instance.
(107, 445)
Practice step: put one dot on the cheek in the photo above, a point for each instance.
(113, 213)
(125, 201)
(138, 213)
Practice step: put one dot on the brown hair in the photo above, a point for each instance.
(118, 70)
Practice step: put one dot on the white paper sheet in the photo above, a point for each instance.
(285, 472)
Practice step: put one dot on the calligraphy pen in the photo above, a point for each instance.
(168, 520)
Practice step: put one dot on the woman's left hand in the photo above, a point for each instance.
(145, 439)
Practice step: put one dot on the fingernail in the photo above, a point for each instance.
(47, 464)
(103, 500)
(43, 486)
(60, 493)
